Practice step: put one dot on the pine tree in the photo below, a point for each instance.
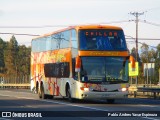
(23, 61)
(10, 53)
(157, 64)
(2, 64)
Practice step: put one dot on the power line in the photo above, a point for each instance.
(151, 23)
(43, 26)
(47, 26)
(143, 43)
(19, 34)
(146, 39)
(130, 37)
(122, 21)
(127, 36)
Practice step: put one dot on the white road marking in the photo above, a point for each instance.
(69, 104)
(148, 106)
(62, 103)
(5, 119)
(149, 118)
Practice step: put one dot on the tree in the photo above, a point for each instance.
(157, 64)
(11, 56)
(23, 60)
(147, 56)
(133, 53)
(2, 64)
(14, 60)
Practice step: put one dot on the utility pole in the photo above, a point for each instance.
(136, 14)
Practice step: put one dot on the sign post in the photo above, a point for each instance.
(149, 71)
(134, 72)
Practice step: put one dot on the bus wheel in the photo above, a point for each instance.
(50, 96)
(41, 92)
(110, 101)
(37, 88)
(69, 95)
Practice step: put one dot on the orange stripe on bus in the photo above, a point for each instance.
(103, 53)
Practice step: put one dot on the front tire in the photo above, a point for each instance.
(50, 96)
(41, 93)
(70, 99)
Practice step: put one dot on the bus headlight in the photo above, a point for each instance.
(84, 88)
(124, 89)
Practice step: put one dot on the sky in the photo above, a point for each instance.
(38, 17)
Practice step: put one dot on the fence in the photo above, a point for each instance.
(145, 90)
(15, 82)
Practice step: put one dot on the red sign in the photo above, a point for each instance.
(99, 33)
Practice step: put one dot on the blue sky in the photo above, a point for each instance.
(18, 13)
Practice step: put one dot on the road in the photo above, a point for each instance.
(22, 102)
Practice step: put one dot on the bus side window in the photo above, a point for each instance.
(58, 70)
(74, 39)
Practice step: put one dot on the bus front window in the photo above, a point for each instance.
(103, 69)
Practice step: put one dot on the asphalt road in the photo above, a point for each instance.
(22, 104)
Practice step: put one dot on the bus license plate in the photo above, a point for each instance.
(108, 95)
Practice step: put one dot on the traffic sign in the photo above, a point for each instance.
(133, 72)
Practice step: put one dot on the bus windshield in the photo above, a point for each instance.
(102, 40)
(104, 69)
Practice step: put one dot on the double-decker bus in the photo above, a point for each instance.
(81, 62)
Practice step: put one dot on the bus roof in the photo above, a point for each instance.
(78, 27)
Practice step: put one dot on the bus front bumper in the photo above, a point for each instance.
(104, 95)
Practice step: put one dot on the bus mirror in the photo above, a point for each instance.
(78, 64)
(132, 61)
(84, 78)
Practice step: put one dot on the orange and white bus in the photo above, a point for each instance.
(81, 62)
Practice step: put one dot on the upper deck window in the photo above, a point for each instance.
(102, 40)
(52, 42)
